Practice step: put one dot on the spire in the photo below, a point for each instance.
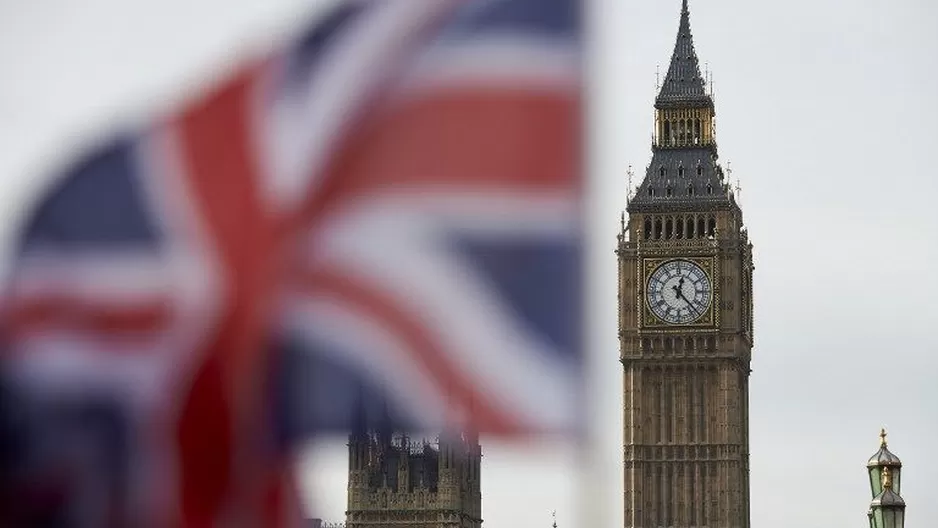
(683, 83)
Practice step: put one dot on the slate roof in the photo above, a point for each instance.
(683, 84)
(693, 176)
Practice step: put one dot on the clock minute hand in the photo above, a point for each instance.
(680, 294)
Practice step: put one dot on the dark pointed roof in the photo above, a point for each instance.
(888, 498)
(688, 179)
(683, 83)
(884, 457)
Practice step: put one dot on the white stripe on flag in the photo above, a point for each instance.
(508, 61)
(398, 244)
(300, 130)
(121, 277)
(350, 338)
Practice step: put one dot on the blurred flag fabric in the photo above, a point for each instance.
(382, 216)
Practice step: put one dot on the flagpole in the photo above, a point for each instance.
(590, 501)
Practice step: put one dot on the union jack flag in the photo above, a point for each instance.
(385, 215)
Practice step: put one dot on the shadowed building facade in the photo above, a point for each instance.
(685, 319)
(393, 482)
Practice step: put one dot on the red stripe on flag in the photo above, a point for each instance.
(218, 153)
(485, 414)
(502, 140)
(32, 317)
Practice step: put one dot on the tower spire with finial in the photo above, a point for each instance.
(683, 82)
(882, 437)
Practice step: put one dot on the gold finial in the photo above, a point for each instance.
(882, 437)
(887, 478)
(554, 515)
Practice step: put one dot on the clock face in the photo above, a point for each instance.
(679, 292)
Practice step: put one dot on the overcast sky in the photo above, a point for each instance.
(828, 113)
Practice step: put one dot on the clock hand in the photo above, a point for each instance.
(680, 294)
(679, 289)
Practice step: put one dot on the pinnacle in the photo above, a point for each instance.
(683, 81)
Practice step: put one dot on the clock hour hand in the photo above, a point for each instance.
(680, 295)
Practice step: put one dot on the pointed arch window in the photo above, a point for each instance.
(680, 171)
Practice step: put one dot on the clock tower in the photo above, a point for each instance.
(685, 320)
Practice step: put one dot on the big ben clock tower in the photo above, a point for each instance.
(685, 320)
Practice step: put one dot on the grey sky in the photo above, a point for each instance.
(827, 111)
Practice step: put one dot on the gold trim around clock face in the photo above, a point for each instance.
(707, 319)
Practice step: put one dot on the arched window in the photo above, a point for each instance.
(657, 228)
(668, 228)
(651, 191)
(701, 228)
(679, 231)
(691, 232)
(709, 189)
(711, 227)
(668, 192)
(662, 171)
(690, 190)
(667, 131)
(680, 171)
(647, 228)
(699, 170)
(696, 131)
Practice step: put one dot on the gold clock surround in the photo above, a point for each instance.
(709, 320)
